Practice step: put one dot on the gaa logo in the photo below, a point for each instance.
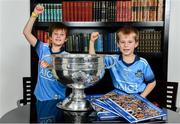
(139, 73)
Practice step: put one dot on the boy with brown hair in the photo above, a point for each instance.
(130, 73)
(47, 87)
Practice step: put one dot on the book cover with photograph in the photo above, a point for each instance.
(133, 107)
(104, 112)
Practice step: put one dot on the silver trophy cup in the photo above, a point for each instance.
(77, 71)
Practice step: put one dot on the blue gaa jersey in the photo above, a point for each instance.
(47, 87)
(131, 78)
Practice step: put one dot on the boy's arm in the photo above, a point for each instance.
(93, 38)
(148, 89)
(28, 27)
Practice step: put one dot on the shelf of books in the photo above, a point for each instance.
(146, 14)
(150, 41)
(102, 11)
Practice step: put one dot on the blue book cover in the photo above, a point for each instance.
(104, 112)
(100, 104)
(107, 115)
(133, 107)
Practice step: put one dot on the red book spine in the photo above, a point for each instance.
(86, 11)
(75, 11)
(64, 10)
(71, 11)
(68, 11)
(123, 11)
(128, 11)
(82, 11)
(118, 11)
(90, 11)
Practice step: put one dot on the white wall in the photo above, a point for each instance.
(14, 52)
(174, 46)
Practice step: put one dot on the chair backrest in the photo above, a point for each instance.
(164, 94)
(171, 95)
(28, 89)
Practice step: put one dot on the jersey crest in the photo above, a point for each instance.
(139, 73)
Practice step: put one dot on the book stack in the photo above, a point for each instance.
(131, 107)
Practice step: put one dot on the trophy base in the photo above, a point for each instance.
(78, 105)
(75, 102)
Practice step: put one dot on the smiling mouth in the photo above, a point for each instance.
(125, 49)
(58, 40)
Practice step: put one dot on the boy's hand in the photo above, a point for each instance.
(94, 36)
(39, 9)
(142, 95)
(44, 64)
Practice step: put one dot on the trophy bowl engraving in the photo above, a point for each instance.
(77, 71)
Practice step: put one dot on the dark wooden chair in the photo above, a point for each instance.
(171, 95)
(164, 95)
(28, 90)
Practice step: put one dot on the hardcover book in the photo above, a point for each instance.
(104, 112)
(132, 107)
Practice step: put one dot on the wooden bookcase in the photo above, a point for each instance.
(157, 60)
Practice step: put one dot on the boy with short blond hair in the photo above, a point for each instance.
(130, 73)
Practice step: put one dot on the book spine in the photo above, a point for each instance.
(160, 10)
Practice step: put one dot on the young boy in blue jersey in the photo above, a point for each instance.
(130, 73)
(47, 87)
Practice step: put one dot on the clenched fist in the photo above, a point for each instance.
(38, 9)
(94, 36)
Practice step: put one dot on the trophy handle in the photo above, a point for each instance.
(113, 63)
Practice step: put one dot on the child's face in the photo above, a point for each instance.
(127, 43)
(58, 37)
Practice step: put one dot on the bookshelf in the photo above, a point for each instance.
(151, 17)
